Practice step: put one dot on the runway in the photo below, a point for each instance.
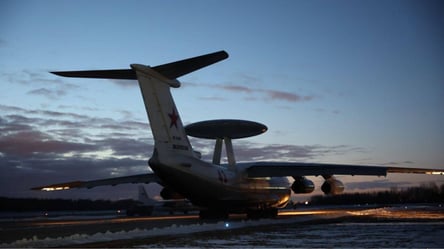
(135, 231)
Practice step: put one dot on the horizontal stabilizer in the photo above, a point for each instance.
(179, 68)
(123, 74)
(171, 70)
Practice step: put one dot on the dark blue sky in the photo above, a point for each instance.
(334, 81)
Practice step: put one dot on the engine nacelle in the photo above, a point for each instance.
(332, 186)
(302, 185)
(169, 194)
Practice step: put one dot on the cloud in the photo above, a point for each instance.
(247, 78)
(322, 110)
(375, 184)
(276, 152)
(290, 97)
(31, 77)
(27, 77)
(122, 146)
(235, 88)
(26, 143)
(214, 98)
(18, 175)
(393, 163)
(45, 119)
(125, 83)
(50, 94)
(27, 135)
(39, 147)
(6, 128)
(259, 94)
(248, 151)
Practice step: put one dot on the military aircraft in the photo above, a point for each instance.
(258, 189)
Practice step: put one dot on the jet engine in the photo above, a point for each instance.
(332, 186)
(302, 185)
(170, 194)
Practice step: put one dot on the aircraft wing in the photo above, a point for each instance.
(143, 178)
(271, 169)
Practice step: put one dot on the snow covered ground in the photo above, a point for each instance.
(337, 235)
(388, 227)
(146, 233)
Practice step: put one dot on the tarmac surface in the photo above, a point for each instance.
(135, 231)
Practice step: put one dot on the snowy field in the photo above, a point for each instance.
(381, 227)
(337, 235)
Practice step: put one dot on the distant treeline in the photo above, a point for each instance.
(32, 204)
(426, 193)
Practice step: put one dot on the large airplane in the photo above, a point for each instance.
(258, 189)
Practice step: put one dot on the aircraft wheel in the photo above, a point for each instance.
(262, 213)
(213, 215)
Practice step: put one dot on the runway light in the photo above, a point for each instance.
(227, 225)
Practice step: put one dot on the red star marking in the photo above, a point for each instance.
(173, 117)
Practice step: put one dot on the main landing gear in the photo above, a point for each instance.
(253, 214)
(262, 213)
(210, 214)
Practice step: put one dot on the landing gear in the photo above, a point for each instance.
(253, 214)
(213, 214)
(262, 213)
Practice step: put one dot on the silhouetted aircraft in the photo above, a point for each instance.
(256, 188)
(147, 205)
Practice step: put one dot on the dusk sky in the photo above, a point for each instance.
(358, 82)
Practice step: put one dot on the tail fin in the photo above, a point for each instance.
(143, 196)
(166, 125)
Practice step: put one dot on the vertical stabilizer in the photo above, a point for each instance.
(155, 83)
(144, 198)
(166, 124)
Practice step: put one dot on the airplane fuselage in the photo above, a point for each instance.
(218, 188)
